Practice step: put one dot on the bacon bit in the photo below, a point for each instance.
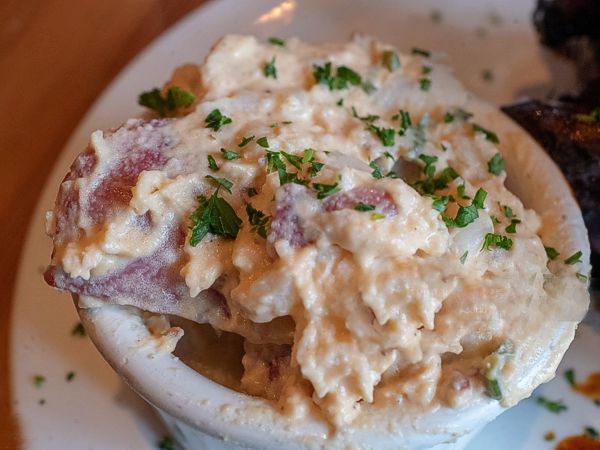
(590, 387)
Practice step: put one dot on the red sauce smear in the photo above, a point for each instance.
(590, 387)
(578, 443)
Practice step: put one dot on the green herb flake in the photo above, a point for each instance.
(78, 330)
(229, 155)
(448, 117)
(581, 277)
(495, 220)
(166, 443)
(390, 60)
(487, 75)
(376, 170)
(263, 142)
(551, 252)
(385, 135)
(467, 214)
(496, 164)
(340, 102)
(508, 212)
(325, 190)
(489, 135)
(294, 160)
(426, 70)
(496, 240)
(440, 203)
(460, 192)
(592, 118)
(368, 87)
(220, 182)
(215, 120)
(479, 198)
(251, 192)
(463, 257)
(315, 168)
(270, 70)
(174, 99)
(429, 169)
(212, 164)
(258, 220)
(493, 388)
(69, 377)
(377, 216)
(39, 380)
(245, 141)
(574, 258)
(277, 41)
(213, 215)
(363, 207)
(555, 407)
(425, 84)
(421, 52)
(343, 78)
(591, 432)
(570, 377)
(512, 228)
(308, 156)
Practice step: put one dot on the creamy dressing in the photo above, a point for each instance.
(388, 309)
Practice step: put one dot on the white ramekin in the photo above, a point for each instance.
(202, 414)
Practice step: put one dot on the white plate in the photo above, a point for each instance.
(96, 410)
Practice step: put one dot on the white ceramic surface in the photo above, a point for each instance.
(95, 410)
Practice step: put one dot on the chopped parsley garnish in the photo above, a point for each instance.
(270, 70)
(391, 60)
(166, 443)
(315, 168)
(308, 156)
(39, 380)
(212, 164)
(340, 102)
(581, 277)
(360, 206)
(459, 114)
(377, 216)
(555, 407)
(385, 135)
(376, 170)
(215, 120)
(421, 52)
(214, 215)
(489, 135)
(574, 258)
(405, 122)
(460, 192)
(175, 98)
(294, 160)
(368, 87)
(512, 228)
(496, 240)
(69, 377)
(325, 190)
(593, 117)
(245, 141)
(467, 214)
(495, 220)
(463, 257)
(251, 192)
(426, 70)
(263, 142)
(78, 330)
(343, 77)
(493, 388)
(258, 220)
(229, 155)
(570, 377)
(551, 252)
(508, 212)
(429, 169)
(591, 432)
(425, 84)
(496, 164)
(220, 182)
(440, 203)
(277, 41)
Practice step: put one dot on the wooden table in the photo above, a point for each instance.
(55, 59)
